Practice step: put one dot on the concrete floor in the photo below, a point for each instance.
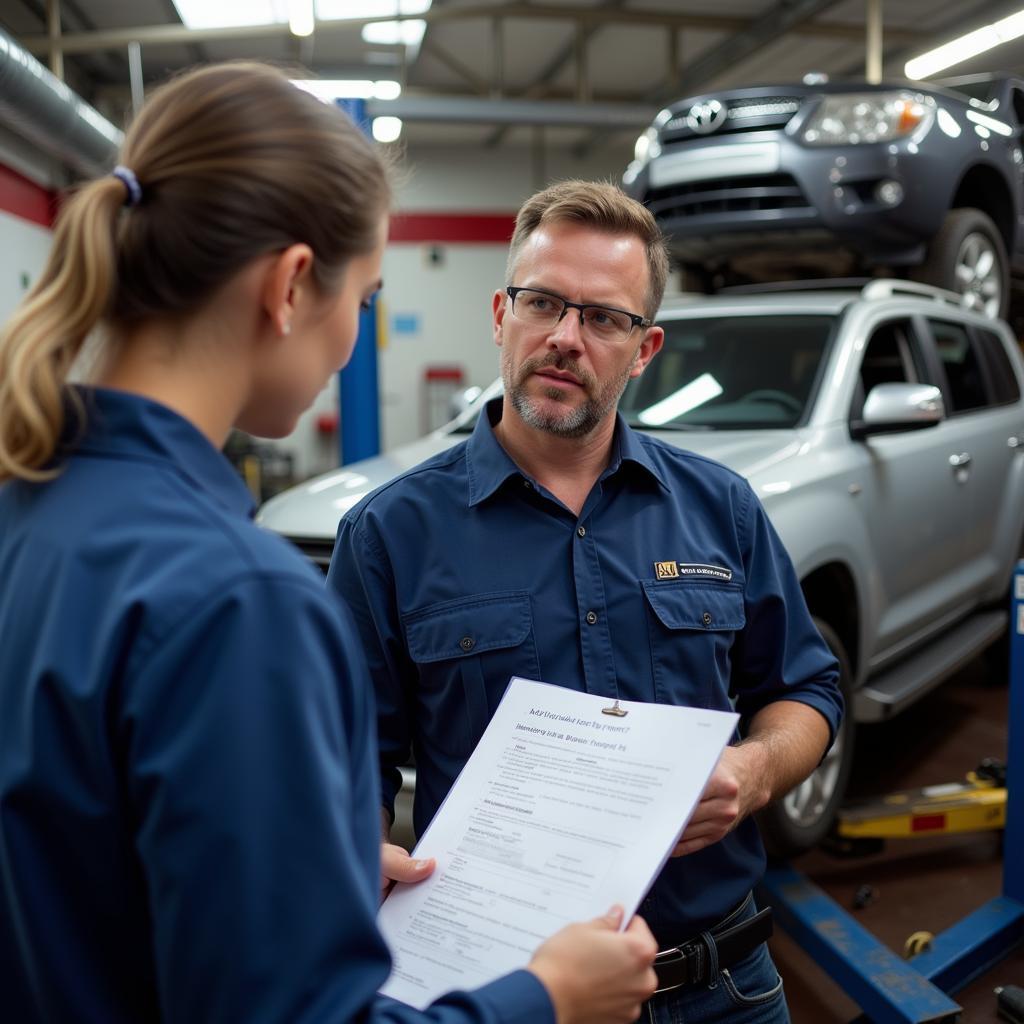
(920, 884)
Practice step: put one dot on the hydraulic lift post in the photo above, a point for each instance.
(889, 989)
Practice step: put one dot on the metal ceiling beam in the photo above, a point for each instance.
(470, 110)
(450, 61)
(116, 39)
(787, 16)
(554, 67)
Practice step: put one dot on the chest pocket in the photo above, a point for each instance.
(466, 652)
(692, 626)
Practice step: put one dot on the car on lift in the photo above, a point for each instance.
(882, 427)
(843, 178)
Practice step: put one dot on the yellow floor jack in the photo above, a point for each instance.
(975, 805)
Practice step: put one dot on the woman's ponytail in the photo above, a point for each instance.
(41, 340)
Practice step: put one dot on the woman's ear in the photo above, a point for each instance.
(286, 285)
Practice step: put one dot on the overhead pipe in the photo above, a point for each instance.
(39, 107)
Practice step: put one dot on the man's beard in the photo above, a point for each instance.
(570, 422)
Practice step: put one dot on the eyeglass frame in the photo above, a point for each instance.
(635, 318)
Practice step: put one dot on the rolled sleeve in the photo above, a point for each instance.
(780, 655)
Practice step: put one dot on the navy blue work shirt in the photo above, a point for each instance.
(189, 796)
(671, 586)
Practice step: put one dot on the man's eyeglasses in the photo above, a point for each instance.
(597, 323)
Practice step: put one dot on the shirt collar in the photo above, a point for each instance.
(489, 465)
(120, 424)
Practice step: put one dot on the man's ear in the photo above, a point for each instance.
(286, 285)
(499, 306)
(650, 346)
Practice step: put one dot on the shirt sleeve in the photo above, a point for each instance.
(247, 737)
(360, 574)
(780, 654)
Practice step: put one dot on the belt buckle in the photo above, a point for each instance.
(689, 958)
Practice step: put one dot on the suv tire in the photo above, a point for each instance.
(968, 256)
(803, 817)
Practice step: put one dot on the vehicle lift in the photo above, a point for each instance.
(891, 990)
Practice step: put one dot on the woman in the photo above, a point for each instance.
(188, 792)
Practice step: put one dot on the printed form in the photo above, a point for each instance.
(568, 804)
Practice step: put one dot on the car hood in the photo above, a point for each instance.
(311, 511)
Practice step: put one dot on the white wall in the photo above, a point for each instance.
(23, 250)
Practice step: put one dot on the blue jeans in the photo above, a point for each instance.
(748, 992)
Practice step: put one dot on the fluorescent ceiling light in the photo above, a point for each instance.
(970, 45)
(339, 10)
(330, 90)
(231, 13)
(392, 33)
(301, 15)
(387, 129)
(301, 20)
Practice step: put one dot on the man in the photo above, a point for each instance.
(549, 546)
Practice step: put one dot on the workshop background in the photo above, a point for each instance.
(496, 99)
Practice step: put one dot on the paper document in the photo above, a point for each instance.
(562, 810)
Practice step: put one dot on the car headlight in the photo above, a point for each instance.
(854, 118)
(647, 146)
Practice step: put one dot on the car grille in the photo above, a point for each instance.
(726, 195)
(317, 551)
(742, 115)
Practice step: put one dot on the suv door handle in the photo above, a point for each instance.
(961, 461)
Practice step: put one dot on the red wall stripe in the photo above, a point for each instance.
(26, 199)
(452, 227)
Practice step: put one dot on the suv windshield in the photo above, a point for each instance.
(730, 373)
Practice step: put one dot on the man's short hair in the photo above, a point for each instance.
(599, 205)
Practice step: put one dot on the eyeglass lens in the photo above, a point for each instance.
(546, 310)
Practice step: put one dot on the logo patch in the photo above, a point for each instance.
(666, 570)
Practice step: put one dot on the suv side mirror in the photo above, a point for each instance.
(895, 408)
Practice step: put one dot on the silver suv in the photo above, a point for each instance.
(883, 430)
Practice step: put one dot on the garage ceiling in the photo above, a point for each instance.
(637, 54)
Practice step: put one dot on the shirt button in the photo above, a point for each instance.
(528, 485)
(467, 643)
(581, 531)
(707, 618)
(591, 617)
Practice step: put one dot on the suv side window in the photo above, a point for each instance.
(959, 358)
(1005, 389)
(890, 357)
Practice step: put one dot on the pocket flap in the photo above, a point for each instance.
(456, 629)
(696, 605)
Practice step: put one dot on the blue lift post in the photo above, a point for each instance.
(889, 989)
(357, 383)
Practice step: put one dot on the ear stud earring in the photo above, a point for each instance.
(286, 328)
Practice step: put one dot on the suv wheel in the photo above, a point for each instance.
(968, 256)
(804, 816)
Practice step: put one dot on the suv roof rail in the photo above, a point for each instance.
(884, 288)
(805, 285)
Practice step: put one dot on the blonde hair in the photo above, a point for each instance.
(602, 206)
(234, 162)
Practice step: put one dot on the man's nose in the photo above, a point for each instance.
(567, 334)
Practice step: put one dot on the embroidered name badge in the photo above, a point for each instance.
(673, 570)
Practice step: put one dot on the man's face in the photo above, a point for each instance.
(556, 378)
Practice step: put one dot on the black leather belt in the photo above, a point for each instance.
(690, 963)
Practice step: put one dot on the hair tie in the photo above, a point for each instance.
(131, 184)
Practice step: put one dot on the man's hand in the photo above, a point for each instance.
(736, 788)
(397, 866)
(596, 974)
(785, 743)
